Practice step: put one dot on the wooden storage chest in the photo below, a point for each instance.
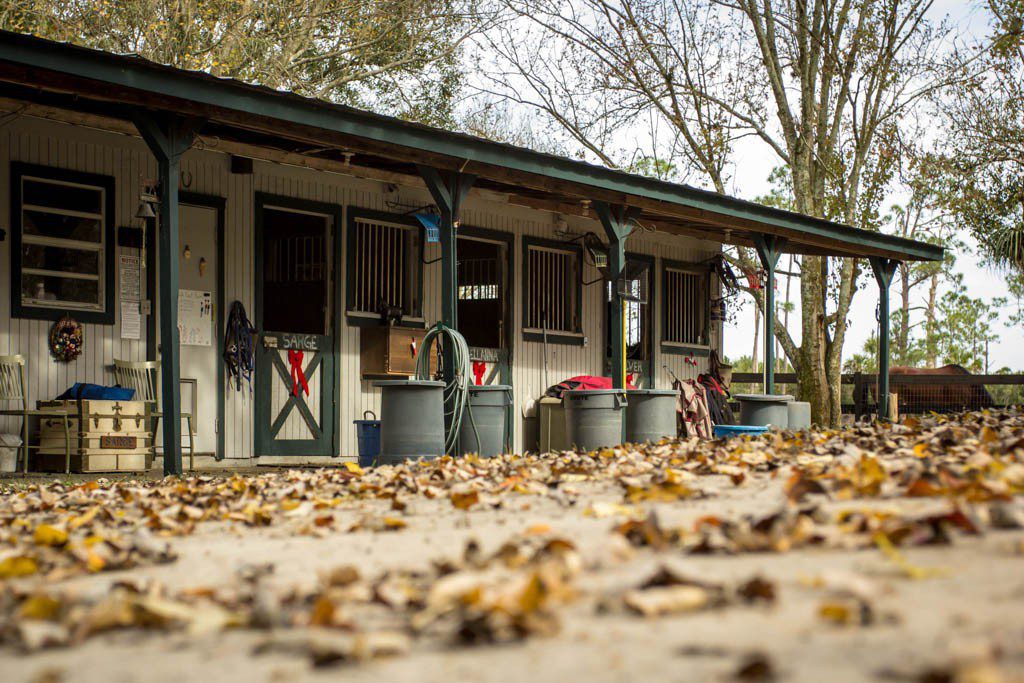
(106, 436)
(388, 351)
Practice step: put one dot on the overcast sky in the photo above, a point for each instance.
(751, 180)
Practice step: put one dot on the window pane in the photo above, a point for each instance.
(62, 227)
(60, 259)
(387, 268)
(60, 196)
(44, 288)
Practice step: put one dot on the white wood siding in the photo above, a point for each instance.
(207, 172)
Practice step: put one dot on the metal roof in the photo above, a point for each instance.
(131, 81)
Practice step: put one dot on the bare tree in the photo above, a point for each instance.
(822, 85)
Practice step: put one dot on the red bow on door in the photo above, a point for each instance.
(298, 376)
(479, 368)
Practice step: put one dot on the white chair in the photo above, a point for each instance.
(144, 377)
(14, 387)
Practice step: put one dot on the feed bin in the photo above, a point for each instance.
(650, 415)
(593, 419)
(411, 420)
(484, 425)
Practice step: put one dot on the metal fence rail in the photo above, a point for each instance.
(915, 393)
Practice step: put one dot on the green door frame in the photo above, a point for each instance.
(648, 372)
(332, 414)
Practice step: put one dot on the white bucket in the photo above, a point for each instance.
(9, 445)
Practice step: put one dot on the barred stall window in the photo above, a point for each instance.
(385, 266)
(63, 256)
(552, 287)
(687, 303)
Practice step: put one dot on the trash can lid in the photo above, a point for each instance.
(593, 392)
(773, 398)
(490, 387)
(653, 392)
(408, 383)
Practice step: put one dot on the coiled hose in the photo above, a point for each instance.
(456, 392)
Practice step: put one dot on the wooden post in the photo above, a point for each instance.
(769, 248)
(615, 220)
(883, 268)
(168, 137)
(448, 191)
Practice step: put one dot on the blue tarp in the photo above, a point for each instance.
(80, 390)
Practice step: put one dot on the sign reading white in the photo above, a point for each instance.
(195, 317)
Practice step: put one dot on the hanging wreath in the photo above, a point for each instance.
(66, 339)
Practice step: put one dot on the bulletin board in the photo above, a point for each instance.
(195, 317)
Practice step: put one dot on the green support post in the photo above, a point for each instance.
(769, 249)
(448, 190)
(884, 269)
(168, 137)
(615, 219)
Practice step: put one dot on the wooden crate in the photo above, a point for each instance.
(106, 436)
(387, 351)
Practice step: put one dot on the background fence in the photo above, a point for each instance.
(917, 393)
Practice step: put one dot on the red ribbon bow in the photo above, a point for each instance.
(479, 368)
(298, 376)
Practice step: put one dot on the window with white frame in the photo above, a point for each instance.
(552, 295)
(385, 265)
(637, 320)
(686, 302)
(63, 260)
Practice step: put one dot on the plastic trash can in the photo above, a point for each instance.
(483, 430)
(368, 435)
(593, 419)
(770, 410)
(650, 415)
(411, 420)
(799, 415)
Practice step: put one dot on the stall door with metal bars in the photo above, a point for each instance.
(295, 385)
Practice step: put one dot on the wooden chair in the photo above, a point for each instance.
(144, 377)
(14, 388)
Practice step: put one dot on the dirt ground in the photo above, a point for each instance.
(794, 560)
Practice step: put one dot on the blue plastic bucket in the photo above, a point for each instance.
(368, 433)
(727, 431)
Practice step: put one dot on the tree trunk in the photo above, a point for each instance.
(930, 326)
(903, 339)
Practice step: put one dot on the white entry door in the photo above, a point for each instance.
(198, 320)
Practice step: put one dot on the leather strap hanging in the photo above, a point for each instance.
(298, 376)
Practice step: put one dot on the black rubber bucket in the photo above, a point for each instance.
(411, 420)
(483, 430)
(650, 415)
(593, 419)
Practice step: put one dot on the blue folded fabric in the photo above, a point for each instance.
(80, 390)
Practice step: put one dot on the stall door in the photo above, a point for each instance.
(198, 319)
(295, 386)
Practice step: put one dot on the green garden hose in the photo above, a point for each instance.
(456, 392)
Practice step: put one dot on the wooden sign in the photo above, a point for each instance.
(119, 442)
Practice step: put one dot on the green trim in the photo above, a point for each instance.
(214, 95)
(218, 204)
(651, 307)
(330, 406)
(697, 269)
(19, 310)
(553, 336)
(355, 213)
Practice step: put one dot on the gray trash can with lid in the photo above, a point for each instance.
(484, 427)
(411, 420)
(593, 419)
(764, 409)
(650, 415)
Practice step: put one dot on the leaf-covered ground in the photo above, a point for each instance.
(891, 553)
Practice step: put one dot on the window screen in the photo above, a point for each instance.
(552, 289)
(686, 306)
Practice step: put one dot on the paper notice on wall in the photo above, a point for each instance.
(128, 278)
(131, 320)
(195, 317)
